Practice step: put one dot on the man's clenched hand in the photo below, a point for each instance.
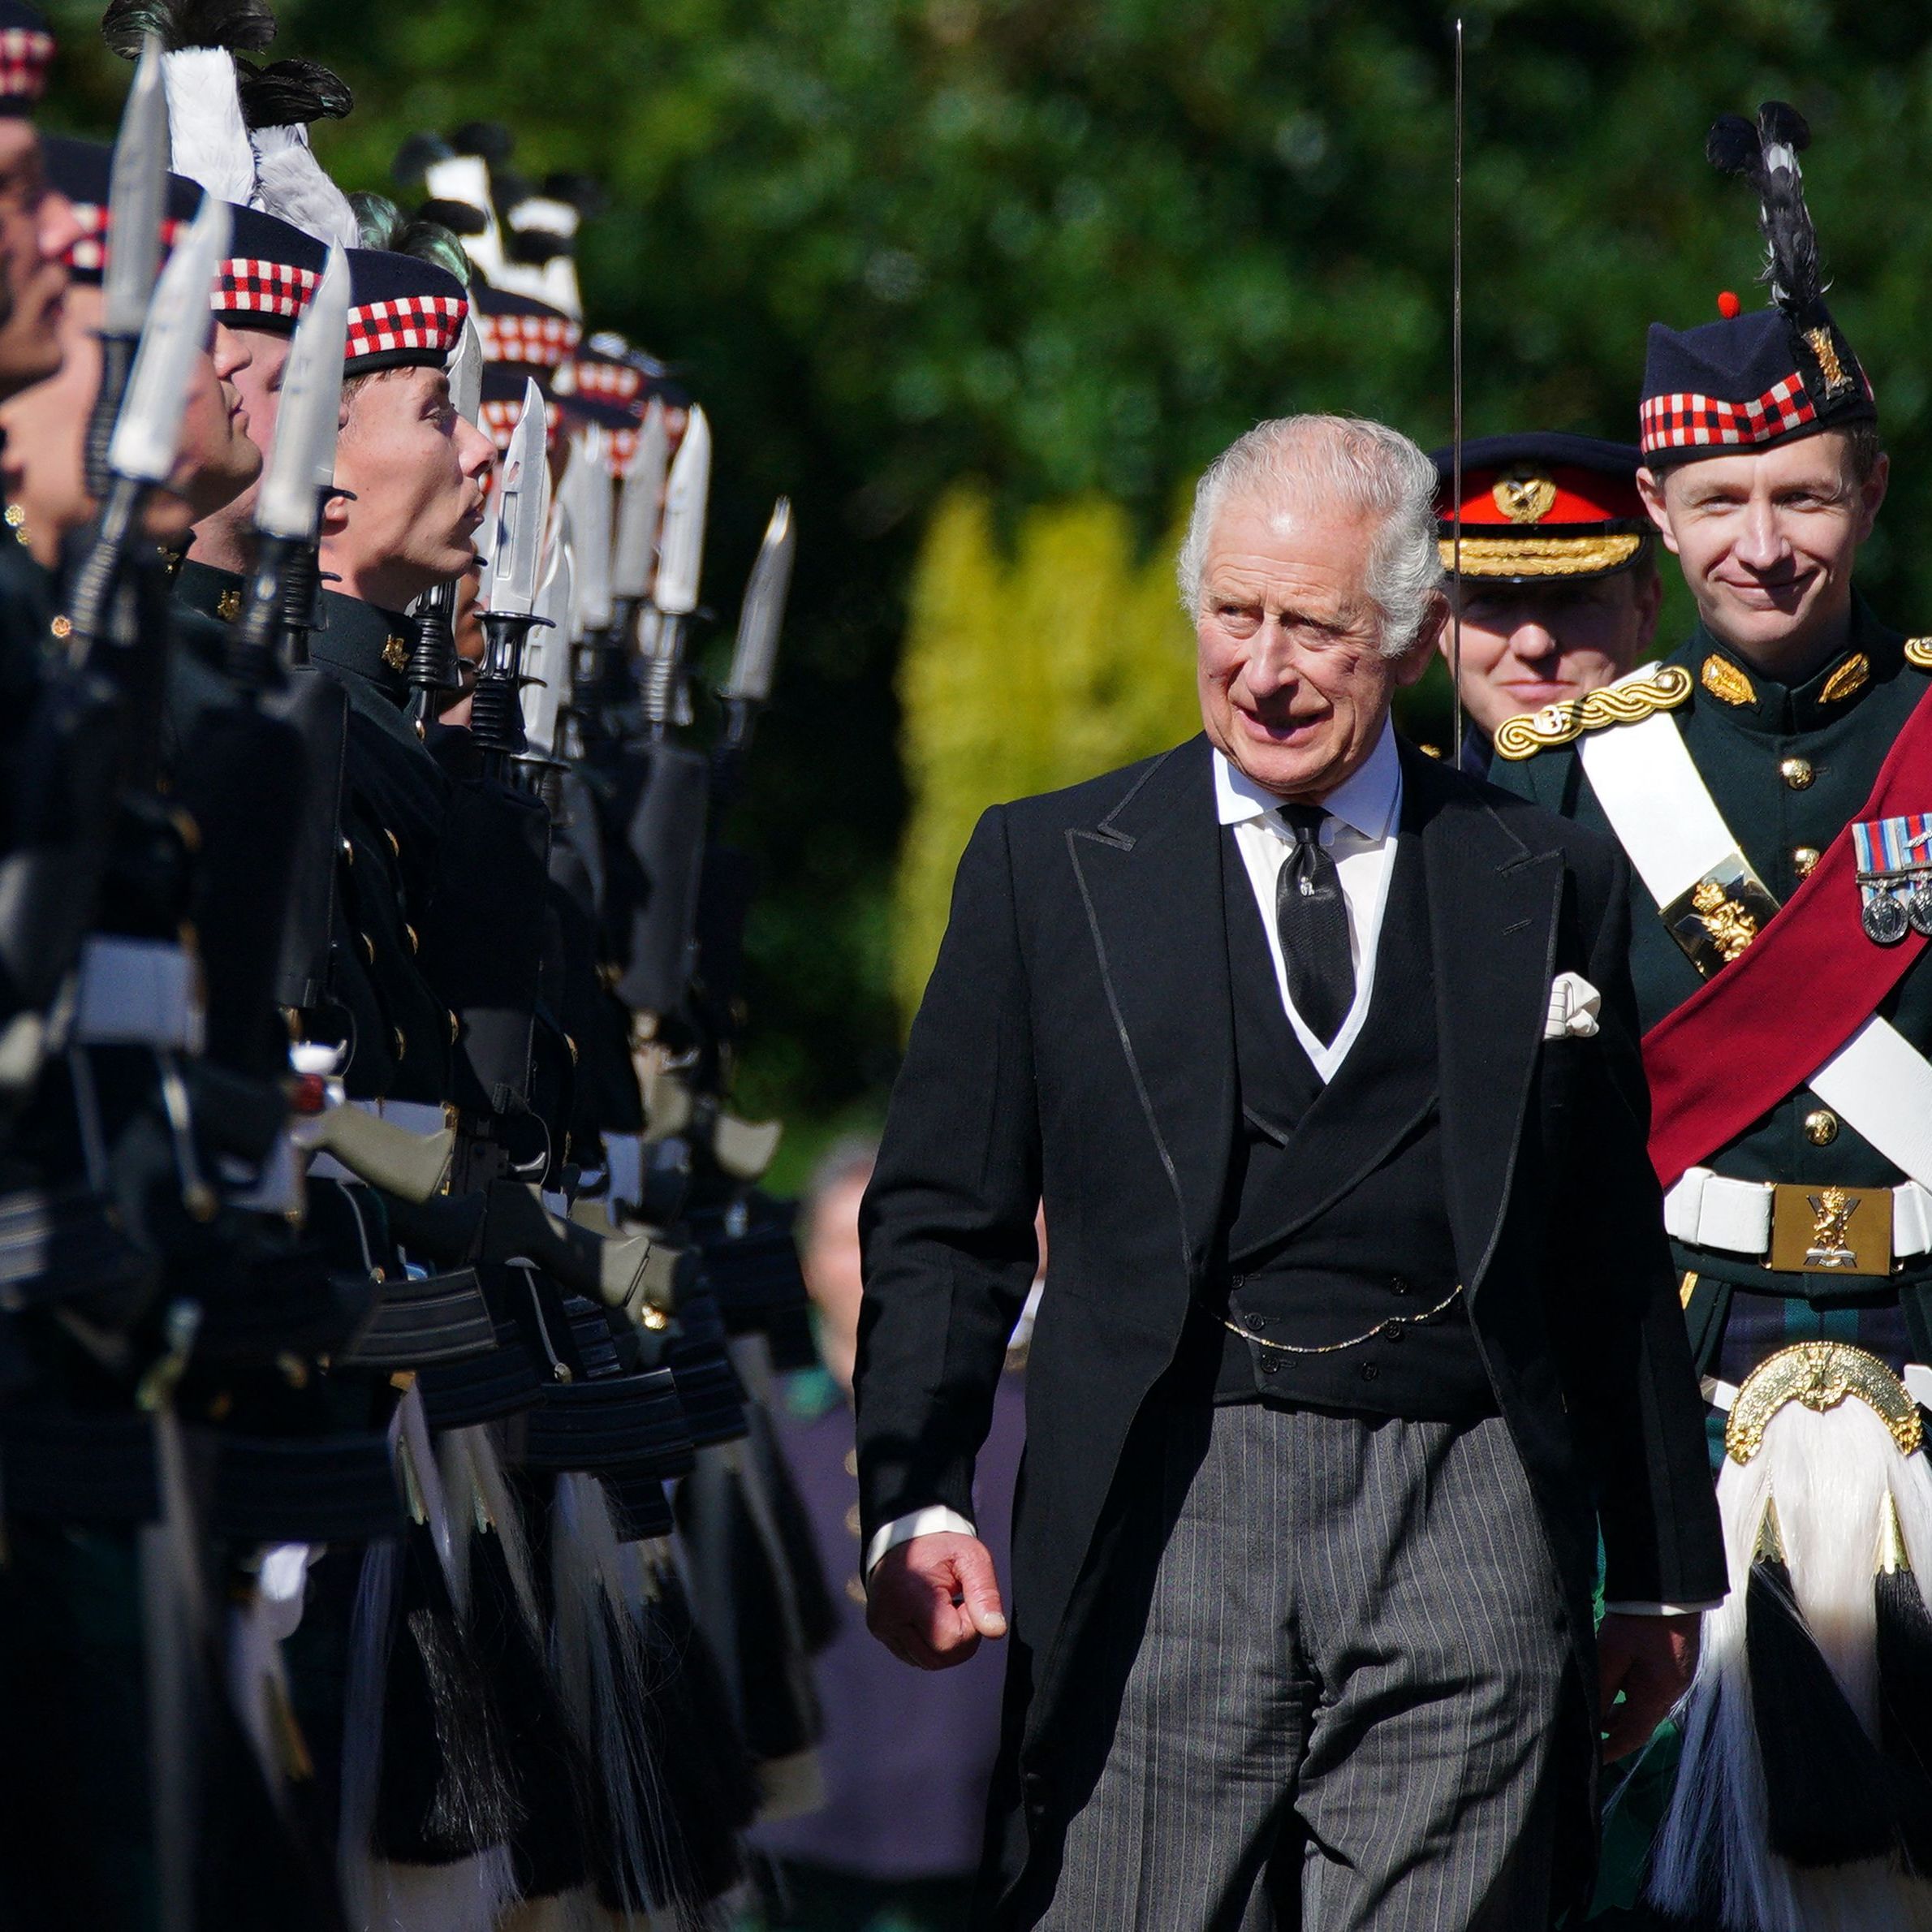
(932, 1599)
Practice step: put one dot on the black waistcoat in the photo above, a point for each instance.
(1337, 1219)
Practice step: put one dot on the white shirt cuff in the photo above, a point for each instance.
(1663, 1609)
(929, 1521)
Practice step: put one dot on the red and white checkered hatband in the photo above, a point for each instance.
(537, 341)
(24, 54)
(1682, 421)
(404, 322)
(248, 287)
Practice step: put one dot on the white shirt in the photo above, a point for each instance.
(1364, 811)
(1359, 832)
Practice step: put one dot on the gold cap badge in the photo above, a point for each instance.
(1524, 495)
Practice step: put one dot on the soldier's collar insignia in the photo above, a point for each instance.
(1851, 676)
(1523, 494)
(395, 652)
(1725, 682)
(1628, 701)
(227, 606)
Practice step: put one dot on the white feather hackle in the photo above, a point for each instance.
(207, 135)
(293, 184)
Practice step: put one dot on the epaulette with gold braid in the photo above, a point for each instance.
(1628, 703)
(1918, 653)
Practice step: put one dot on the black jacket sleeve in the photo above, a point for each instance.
(947, 1222)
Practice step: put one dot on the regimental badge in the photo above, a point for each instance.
(1894, 876)
(1716, 919)
(1524, 494)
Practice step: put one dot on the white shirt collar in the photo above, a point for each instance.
(1366, 800)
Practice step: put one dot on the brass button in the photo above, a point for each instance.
(395, 849)
(1803, 859)
(1797, 773)
(1821, 1127)
(348, 853)
(369, 947)
(415, 945)
(63, 628)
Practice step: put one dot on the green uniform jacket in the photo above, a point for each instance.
(1788, 769)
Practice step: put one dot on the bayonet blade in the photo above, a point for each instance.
(136, 192)
(303, 462)
(764, 612)
(466, 373)
(146, 437)
(587, 480)
(681, 553)
(523, 491)
(546, 653)
(638, 508)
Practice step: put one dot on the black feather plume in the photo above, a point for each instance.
(1765, 156)
(490, 138)
(583, 192)
(458, 217)
(235, 24)
(291, 92)
(415, 158)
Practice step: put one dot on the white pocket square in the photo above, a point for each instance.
(1573, 1007)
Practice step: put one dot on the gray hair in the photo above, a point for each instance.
(1339, 459)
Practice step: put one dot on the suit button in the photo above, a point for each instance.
(1268, 1368)
(1395, 1335)
(1237, 1281)
(1398, 1286)
(1804, 860)
(1796, 773)
(1821, 1128)
(1369, 1371)
(1257, 1322)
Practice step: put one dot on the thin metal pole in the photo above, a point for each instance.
(1455, 388)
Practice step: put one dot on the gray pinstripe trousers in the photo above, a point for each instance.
(1340, 1711)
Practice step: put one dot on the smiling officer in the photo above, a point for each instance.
(1769, 782)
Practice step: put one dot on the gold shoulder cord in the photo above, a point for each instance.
(1518, 738)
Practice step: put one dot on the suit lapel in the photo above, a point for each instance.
(1149, 877)
(1492, 905)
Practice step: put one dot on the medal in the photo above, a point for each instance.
(1895, 877)
(1884, 919)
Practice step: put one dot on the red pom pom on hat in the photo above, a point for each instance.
(1729, 306)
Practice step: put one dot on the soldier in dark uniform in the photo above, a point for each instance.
(1555, 577)
(1765, 780)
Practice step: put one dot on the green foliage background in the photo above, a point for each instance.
(1059, 252)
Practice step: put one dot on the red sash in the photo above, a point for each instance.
(1759, 1029)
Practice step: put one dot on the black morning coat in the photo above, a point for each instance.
(1075, 1045)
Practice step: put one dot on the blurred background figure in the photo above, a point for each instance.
(905, 1759)
(1556, 585)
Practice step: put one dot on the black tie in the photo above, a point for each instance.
(1312, 917)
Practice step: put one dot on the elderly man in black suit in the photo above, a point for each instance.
(1360, 1329)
